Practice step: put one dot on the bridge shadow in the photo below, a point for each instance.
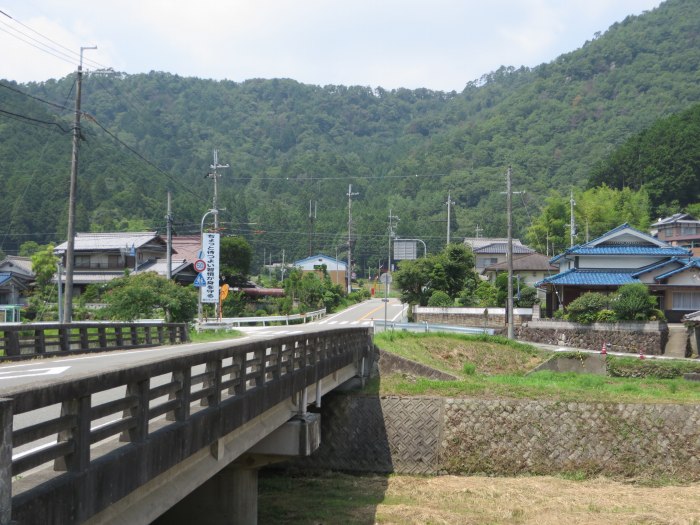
(346, 478)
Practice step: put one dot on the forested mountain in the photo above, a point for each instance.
(288, 144)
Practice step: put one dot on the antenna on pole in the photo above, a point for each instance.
(215, 175)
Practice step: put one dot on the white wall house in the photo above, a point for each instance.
(335, 268)
(626, 255)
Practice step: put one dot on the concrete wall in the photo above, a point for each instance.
(650, 337)
(474, 317)
(426, 435)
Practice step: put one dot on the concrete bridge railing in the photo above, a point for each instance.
(158, 415)
(26, 341)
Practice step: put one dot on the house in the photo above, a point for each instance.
(626, 255)
(490, 251)
(335, 268)
(16, 279)
(101, 257)
(530, 268)
(679, 229)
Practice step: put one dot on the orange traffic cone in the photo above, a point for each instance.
(604, 350)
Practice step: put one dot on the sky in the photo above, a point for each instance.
(435, 44)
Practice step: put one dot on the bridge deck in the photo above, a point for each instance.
(164, 412)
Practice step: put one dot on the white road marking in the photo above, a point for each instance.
(34, 372)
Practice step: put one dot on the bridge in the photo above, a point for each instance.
(126, 443)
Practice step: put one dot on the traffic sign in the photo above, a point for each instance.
(200, 265)
(385, 278)
(199, 281)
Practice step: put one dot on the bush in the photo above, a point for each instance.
(606, 316)
(632, 302)
(585, 308)
(440, 299)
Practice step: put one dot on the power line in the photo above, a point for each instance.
(34, 121)
(48, 102)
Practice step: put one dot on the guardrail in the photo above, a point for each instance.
(239, 382)
(25, 341)
(230, 322)
(427, 327)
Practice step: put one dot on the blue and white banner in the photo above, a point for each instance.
(210, 253)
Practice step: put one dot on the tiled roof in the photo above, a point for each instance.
(657, 265)
(691, 263)
(110, 241)
(626, 249)
(23, 264)
(502, 248)
(676, 217)
(529, 262)
(579, 277)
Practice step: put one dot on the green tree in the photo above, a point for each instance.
(29, 248)
(235, 255)
(146, 295)
(44, 266)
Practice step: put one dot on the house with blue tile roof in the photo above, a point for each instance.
(621, 256)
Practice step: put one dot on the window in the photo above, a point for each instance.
(688, 229)
(82, 261)
(686, 301)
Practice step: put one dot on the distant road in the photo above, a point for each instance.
(362, 314)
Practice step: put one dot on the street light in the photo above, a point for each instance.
(201, 244)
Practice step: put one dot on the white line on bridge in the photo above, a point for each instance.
(34, 372)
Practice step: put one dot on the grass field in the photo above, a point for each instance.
(488, 367)
(496, 367)
(336, 498)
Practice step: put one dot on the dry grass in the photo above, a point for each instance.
(476, 500)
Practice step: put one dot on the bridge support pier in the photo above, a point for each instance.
(231, 496)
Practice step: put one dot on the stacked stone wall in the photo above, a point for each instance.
(650, 338)
(422, 435)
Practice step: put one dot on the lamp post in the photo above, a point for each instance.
(201, 244)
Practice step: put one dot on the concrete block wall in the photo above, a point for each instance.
(471, 317)
(426, 435)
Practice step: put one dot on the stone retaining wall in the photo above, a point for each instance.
(650, 337)
(425, 435)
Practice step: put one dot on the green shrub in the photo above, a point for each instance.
(632, 302)
(585, 308)
(606, 316)
(440, 299)
(469, 369)
(651, 368)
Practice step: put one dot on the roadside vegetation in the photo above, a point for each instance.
(497, 367)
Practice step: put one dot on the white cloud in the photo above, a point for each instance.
(439, 44)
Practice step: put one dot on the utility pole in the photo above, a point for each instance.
(70, 245)
(478, 230)
(449, 203)
(388, 268)
(169, 239)
(312, 223)
(572, 220)
(509, 207)
(350, 196)
(215, 175)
